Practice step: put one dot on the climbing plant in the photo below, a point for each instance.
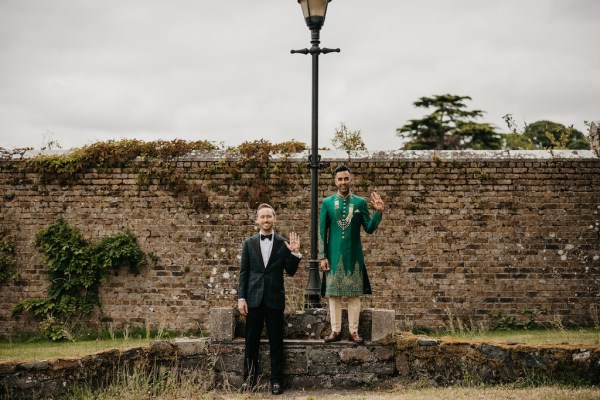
(154, 166)
(8, 258)
(75, 270)
(67, 168)
(255, 161)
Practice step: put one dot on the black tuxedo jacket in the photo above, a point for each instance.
(265, 283)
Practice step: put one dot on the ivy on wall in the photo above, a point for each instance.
(67, 168)
(8, 259)
(75, 270)
(157, 166)
(256, 160)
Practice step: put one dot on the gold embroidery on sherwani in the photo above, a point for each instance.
(343, 221)
(345, 284)
(339, 242)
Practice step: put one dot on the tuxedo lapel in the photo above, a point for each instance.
(277, 242)
(255, 242)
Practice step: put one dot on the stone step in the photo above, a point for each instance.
(375, 324)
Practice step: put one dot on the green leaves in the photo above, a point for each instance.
(544, 135)
(68, 167)
(450, 126)
(348, 140)
(75, 270)
(7, 257)
(119, 250)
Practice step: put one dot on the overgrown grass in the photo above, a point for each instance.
(588, 336)
(31, 348)
(140, 389)
(160, 383)
(168, 383)
(45, 350)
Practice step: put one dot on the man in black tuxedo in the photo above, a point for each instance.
(261, 294)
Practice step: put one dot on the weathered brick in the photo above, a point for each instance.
(490, 235)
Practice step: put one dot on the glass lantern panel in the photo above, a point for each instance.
(304, 5)
(317, 8)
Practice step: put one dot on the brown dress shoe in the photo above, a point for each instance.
(333, 337)
(355, 337)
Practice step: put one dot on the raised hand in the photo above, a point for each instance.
(376, 202)
(294, 243)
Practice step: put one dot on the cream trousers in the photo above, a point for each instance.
(335, 313)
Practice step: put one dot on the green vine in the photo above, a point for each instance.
(255, 160)
(75, 271)
(168, 177)
(8, 259)
(67, 168)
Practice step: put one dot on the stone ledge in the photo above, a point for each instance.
(340, 155)
(314, 364)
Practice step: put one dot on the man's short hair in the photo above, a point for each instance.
(341, 168)
(265, 205)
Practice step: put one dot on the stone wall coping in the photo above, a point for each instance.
(313, 364)
(340, 155)
(403, 340)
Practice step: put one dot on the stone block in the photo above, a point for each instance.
(7, 368)
(190, 347)
(356, 355)
(63, 363)
(494, 352)
(222, 323)
(402, 364)
(427, 342)
(383, 323)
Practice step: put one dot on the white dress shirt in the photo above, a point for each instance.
(266, 246)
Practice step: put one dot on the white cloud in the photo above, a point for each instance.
(222, 71)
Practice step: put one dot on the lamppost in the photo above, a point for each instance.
(314, 14)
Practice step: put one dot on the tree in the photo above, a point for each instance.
(544, 135)
(345, 139)
(449, 127)
(548, 134)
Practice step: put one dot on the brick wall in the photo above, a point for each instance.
(464, 234)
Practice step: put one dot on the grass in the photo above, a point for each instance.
(135, 389)
(454, 393)
(48, 350)
(543, 336)
(45, 350)
(163, 383)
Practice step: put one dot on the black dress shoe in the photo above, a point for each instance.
(277, 389)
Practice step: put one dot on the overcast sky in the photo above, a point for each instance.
(81, 71)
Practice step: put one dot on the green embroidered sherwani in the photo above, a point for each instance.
(339, 242)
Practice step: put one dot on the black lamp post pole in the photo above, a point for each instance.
(313, 287)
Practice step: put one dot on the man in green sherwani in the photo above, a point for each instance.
(340, 251)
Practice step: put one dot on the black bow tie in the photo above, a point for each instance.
(263, 237)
